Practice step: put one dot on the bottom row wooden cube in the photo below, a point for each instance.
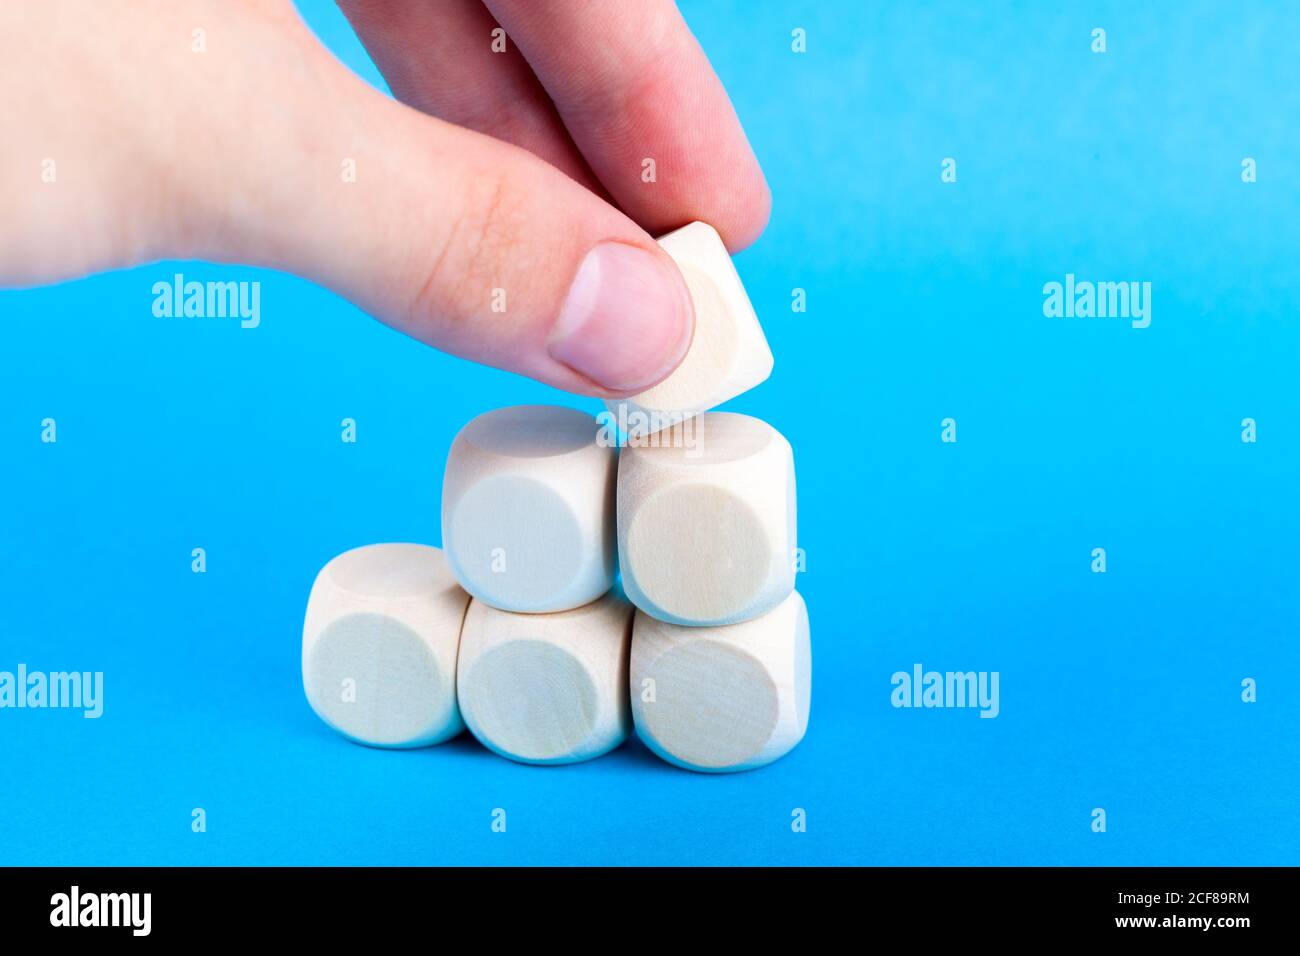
(724, 698)
(379, 645)
(547, 688)
(395, 654)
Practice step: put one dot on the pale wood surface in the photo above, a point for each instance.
(379, 645)
(721, 699)
(528, 509)
(547, 688)
(706, 532)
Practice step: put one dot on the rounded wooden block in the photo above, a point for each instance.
(706, 521)
(721, 699)
(528, 509)
(729, 353)
(547, 688)
(379, 645)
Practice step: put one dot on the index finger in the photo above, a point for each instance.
(644, 106)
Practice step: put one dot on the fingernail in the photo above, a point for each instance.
(627, 320)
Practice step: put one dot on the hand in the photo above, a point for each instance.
(530, 179)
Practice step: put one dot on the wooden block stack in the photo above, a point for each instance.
(518, 630)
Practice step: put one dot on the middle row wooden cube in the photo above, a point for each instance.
(540, 511)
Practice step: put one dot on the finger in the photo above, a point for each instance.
(465, 242)
(439, 57)
(632, 84)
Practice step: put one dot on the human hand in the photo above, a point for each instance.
(530, 179)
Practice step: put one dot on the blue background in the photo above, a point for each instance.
(1118, 690)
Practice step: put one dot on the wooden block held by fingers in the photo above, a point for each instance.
(379, 645)
(547, 688)
(729, 353)
(721, 699)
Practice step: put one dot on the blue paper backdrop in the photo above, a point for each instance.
(1119, 690)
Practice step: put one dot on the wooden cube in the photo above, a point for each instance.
(720, 699)
(729, 353)
(706, 521)
(379, 645)
(528, 509)
(547, 688)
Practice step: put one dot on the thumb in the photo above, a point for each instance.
(462, 241)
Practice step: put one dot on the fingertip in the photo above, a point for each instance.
(742, 228)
